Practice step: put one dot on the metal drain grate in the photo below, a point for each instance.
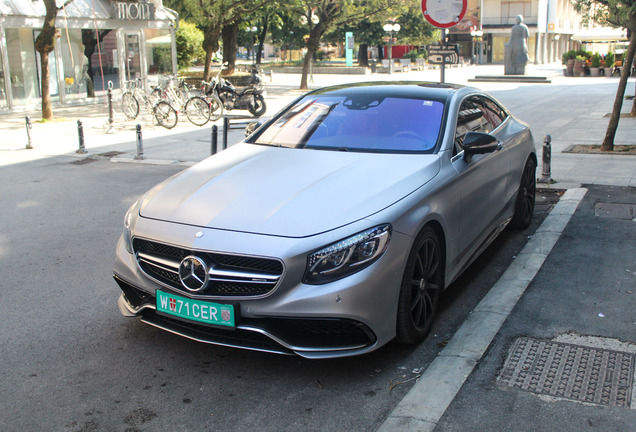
(615, 211)
(573, 372)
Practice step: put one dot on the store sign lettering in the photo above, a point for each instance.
(135, 11)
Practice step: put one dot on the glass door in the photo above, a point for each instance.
(133, 56)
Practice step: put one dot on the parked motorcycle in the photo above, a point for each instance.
(251, 98)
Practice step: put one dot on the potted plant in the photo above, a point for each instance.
(579, 65)
(609, 64)
(595, 65)
(568, 60)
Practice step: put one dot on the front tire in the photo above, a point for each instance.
(258, 107)
(129, 105)
(420, 290)
(524, 204)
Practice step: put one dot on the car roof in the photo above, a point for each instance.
(402, 89)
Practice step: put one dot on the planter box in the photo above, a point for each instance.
(595, 72)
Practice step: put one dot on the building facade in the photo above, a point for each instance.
(100, 43)
(485, 29)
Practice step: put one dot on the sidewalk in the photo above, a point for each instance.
(571, 110)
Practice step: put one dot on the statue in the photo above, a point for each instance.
(516, 50)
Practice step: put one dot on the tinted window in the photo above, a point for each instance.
(477, 114)
(358, 123)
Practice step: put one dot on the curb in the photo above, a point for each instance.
(422, 408)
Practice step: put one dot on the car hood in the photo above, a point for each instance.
(286, 192)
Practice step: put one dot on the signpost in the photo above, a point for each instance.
(444, 14)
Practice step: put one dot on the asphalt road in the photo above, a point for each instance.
(72, 363)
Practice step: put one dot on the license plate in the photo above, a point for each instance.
(196, 310)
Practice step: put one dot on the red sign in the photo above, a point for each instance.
(444, 13)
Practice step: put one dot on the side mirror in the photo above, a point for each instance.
(253, 126)
(479, 143)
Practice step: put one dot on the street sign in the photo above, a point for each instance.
(439, 54)
(444, 13)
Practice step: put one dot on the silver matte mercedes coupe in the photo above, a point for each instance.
(332, 228)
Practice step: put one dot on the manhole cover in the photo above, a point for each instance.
(573, 372)
(615, 211)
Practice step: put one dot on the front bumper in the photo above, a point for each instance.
(307, 337)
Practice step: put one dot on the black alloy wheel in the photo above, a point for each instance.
(257, 107)
(524, 205)
(421, 287)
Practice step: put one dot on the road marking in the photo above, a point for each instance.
(425, 404)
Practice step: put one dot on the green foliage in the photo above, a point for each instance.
(609, 59)
(189, 41)
(580, 58)
(569, 55)
(582, 53)
(415, 54)
(596, 60)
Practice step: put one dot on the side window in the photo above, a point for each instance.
(471, 118)
(477, 114)
(493, 112)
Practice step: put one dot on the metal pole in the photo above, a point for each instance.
(140, 145)
(546, 176)
(390, 53)
(29, 126)
(442, 69)
(215, 137)
(226, 127)
(80, 135)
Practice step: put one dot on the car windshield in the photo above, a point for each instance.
(362, 122)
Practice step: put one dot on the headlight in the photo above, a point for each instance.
(128, 222)
(347, 256)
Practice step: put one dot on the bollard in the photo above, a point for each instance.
(29, 126)
(226, 128)
(111, 112)
(80, 135)
(140, 145)
(547, 161)
(215, 138)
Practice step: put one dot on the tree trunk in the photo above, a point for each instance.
(210, 46)
(44, 44)
(230, 39)
(47, 109)
(363, 55)
(608, 142)
(261, 40)
(312, 46)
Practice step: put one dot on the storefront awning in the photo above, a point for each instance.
(600, 34)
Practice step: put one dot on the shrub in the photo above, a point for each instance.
(415, 54)
(570, 55)
(609, 59)
(596, 60)
(189, 41)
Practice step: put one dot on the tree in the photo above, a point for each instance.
(616, 13)
(189, 40)
(44, 44)
(213, 16)
(322, 15)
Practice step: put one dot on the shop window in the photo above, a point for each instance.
(102, 64)
(158, 53)
(22, 74)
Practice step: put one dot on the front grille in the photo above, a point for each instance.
(230, 275)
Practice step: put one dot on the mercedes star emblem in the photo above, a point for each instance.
(193, 273)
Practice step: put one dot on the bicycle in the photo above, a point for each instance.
(134, 98)
(201, 109)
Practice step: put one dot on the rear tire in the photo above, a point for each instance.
(216, 108)
(420, 290)
(198, 111)
(166, 115)
(524, 204)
